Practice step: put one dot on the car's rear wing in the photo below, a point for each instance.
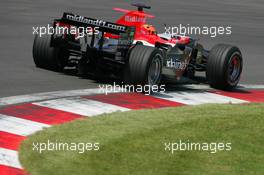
(105, 26)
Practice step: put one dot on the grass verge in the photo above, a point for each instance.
(133, 143)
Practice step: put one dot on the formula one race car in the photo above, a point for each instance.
(133, 50)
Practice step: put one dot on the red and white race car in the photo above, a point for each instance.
(132, 49)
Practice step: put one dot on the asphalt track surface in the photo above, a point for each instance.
(18, 74)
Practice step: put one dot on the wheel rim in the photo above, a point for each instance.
(154, 70)
(234, 69)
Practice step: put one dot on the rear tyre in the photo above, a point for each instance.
(224, 66)
(48, 57)
(144, 66)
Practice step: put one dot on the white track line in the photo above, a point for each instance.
(82, 92)
(207, 87)
(19, 126)
(251, 86)
(9, 158)
(50, 95)
(81, 106)
(197, 97)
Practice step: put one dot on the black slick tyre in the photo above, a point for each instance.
(224, 66)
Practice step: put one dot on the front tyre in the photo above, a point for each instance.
(224, 66)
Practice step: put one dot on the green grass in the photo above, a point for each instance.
(133, 143)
